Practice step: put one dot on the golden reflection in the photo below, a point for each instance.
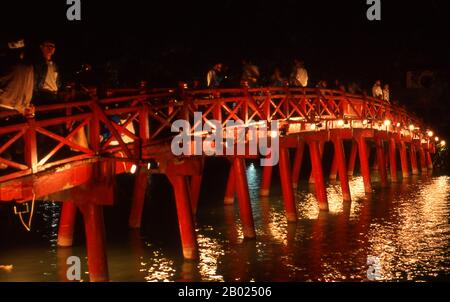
(210, 250)
(159, 268)
(412, 244)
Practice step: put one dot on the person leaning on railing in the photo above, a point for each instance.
(16, 89)
(16, 80)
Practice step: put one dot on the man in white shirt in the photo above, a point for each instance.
(377, 91)
(299, 75)
(47, 78)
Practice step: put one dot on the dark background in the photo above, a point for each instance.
(167, 41)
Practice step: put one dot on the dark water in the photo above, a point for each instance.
(405, 226)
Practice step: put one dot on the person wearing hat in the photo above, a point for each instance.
(16, 79)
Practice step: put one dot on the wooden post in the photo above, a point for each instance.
(231, 187)
(381, 162)
(95, 242)
(245, 208)
(341, 165)
(393, 159)
(185, 219)
(67, 224)
(266, 180)
(297, 164)
(286, 185)
(364, 162)
(352, 159)
(317, 169)
(137, 206)
(404, 160)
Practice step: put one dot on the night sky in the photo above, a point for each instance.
(167, 41)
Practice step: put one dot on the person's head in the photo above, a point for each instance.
(48, 49)
(218, 67)
(378, 83)
(386, 86)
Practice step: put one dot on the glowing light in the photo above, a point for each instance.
(313, 126)
(411, 127)
(149, 166)
(387, 122)
(443, 143)
(436, 139)
(430, 133)
(398, 124)
(340, 123)
(365, 122)
(273, 133)
(133, 169)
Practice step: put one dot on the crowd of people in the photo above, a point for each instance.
(27, 82)
(251, 78)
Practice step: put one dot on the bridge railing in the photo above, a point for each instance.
(120, 125)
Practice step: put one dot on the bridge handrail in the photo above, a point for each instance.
(146, 116)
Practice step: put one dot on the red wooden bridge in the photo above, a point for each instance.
(43, 163)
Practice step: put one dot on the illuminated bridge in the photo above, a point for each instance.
(72, 151)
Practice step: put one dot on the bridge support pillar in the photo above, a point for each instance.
(297, 165)
(67, 224)
(231, 187)
(195, 187)
(429, 161)
(95, 242)
(381, 160)
(317, 170)
(413, 157)
(364, 162)
(393, 159)
(266, 181)
(140, 188)
(352, 159)
(185, 217)
(243, 195)
(423, 161)
(339, 158)
(311, 177)
(404, 160)
(334, 166)
(286, 185)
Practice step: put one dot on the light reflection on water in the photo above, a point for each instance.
(406, 226)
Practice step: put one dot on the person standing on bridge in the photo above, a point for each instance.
(214, 76)
(250, 73)
(46, 76)
(16, 79)
(377, 91)
(299, 75)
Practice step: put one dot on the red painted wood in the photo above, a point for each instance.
(393, 159)
(266, 181)
(321, 193)
(342, 167)
(297, 164)
(137, 205)
(286, 185)
(245, 208)
(185, 216)
(95, 242)
(364, 162)
(381, 162)
(231, 187)
(67, 224)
